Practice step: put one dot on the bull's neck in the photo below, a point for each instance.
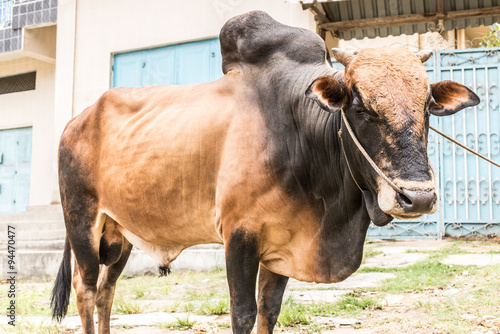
(304, 145)
(305, 155)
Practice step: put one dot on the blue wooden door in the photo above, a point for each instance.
(470, 186)
(15, 168)
(180, 64)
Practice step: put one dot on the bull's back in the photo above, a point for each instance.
(154, 155)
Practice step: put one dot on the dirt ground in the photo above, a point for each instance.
(418, 286)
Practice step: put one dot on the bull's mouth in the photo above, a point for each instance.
(405, 217)
(377, 216)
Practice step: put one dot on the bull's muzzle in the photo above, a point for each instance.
(416, 201)
(417, 198)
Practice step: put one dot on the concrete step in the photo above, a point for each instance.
(44, 264)
(43, 245)
(35, 213)
(38, 223)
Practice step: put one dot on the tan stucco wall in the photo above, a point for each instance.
(33, 108)
(40, 43)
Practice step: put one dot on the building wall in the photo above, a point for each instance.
(33, 108)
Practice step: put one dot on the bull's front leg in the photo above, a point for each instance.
(242, 265)
(271, 289)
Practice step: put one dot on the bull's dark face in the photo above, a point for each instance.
(387, 99)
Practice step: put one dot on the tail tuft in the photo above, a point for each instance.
(62, 287)
(164, 271)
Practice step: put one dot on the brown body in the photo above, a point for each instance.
(172, 173)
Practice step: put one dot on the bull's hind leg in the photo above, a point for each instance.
(106, 287)
(242, 264)
(83, 229)
(85, 287)
(84, 232)
(271, 289)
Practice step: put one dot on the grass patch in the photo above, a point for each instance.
(123, 306)
(188, 307)
(293, 314)
(29, 326)
(422, 275)
(125, 326)
(453, 248)
(197, 295)
(476, 303)
(352, 304)
(180, 324)
(215, 307)
(172, 307)
(427, 274)
(377, 270)
(139, 292)
(370, 252)
(33, 299)
(349, 305)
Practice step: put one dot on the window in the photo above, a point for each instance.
(18, 83)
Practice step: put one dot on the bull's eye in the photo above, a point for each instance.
(360, 111)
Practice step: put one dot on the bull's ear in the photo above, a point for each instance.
(328, 92)
(450, 97)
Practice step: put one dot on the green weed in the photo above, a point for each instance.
(217, 307)
(122, 306)
(293, 314)
(172, 307)
(180, 323)
(29, 326)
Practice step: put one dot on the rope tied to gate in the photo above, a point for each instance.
(464, 147)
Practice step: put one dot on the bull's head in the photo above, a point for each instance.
(387, 99)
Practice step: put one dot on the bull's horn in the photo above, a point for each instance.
(424, 55)
(344, 57)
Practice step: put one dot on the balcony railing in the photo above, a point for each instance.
(5, 13)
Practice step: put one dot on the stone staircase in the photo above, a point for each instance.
(39, 241)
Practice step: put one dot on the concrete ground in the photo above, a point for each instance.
(388, 255)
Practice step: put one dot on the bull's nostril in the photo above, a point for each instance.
(417, 200)
(404, 200)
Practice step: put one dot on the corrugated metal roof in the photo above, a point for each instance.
(341, 11)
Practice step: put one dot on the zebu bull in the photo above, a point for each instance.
(253, 161)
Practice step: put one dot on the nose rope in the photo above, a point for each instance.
(367, 157)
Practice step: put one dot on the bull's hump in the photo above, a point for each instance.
(255, 37)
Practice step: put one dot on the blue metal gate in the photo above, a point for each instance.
(469, 187)
(180, 64)
(15, 168)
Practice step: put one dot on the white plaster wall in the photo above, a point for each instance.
(107, 27)
(33, 108)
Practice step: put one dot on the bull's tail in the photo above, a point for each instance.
(62, 287)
